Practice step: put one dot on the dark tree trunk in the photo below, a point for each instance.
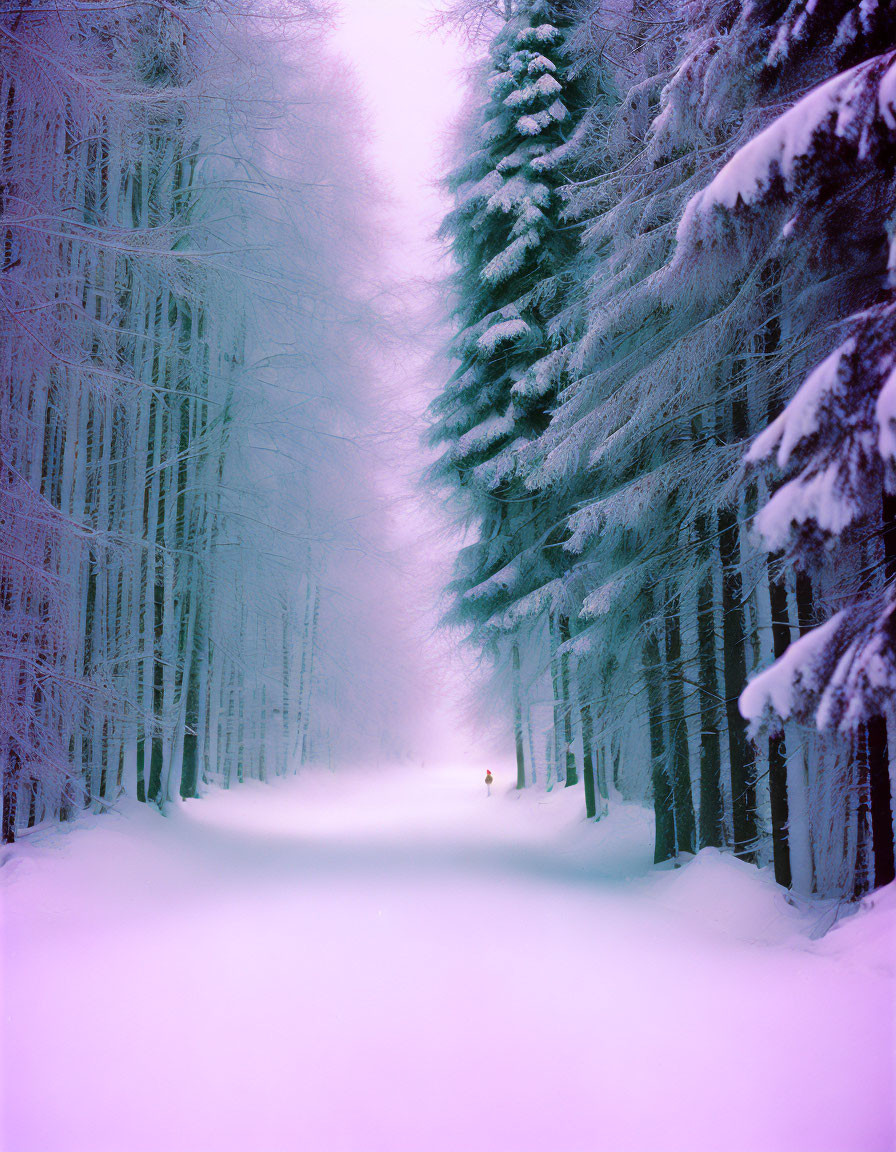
(777, 750)
(557, 688)
(664, 816)
(879, 801)
(189, 777)
(601, 763)
(743, 766)
(781, 635)
(572, 773)
(805, 610)
(10, 799)
(678, 735)
(711, 805)
(518, 720)
(588, 766)
(33, 786)
(154, 786)
(878, 744)
(141, 757)
(863, 867)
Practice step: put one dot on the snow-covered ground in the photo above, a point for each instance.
(394, 963)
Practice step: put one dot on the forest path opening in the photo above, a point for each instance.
(393, 962)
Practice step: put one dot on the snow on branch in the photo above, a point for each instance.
(778, 690)
(856, 108)
(838, 433)
(504, 332)
(841, 672)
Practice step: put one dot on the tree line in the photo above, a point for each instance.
(670, 427)
(188, 589)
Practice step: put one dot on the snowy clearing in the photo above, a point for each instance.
(394, 963)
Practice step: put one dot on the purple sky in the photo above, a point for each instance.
(411, 82)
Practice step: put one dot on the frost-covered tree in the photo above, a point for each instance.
(823, 174)
(184, 296)
(683, 357)
(512, 250)
(734, 236)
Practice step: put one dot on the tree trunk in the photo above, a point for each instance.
(711, 829)
(743, 767)
(10, 798)
(588, 757)
(303, 666)
(664, 817)
(603, 753)
(531, 739)
(557, 689)
(518, 720)
(878, 745)
(285, 686)
(306, 709)
(880, 802)
(572, 775)
(777, 750)
(685, 840)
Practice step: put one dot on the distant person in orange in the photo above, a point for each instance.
(489, 780)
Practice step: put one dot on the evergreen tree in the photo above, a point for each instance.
(831, 154)
(731, 249)
(513, 252)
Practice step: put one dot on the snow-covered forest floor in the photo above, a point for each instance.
(392, 962)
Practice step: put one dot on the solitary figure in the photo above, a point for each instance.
(489, 780)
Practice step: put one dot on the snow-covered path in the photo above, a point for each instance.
(393, 963)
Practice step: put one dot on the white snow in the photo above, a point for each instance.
(482, 189)
(601, 599)
(557, 110)
(800, 419)
(501, 581)
(885, 414)
(551, 159)
(491, 429)
(518, 191)
(542, 34)
(395, 963)
(545, 85)
(812, 496)
(777, 147)
(621, 507)
(539, 63)
(777, 687)
(504, 332)
(790, 137)
(546, 33)
(538, 121)
(500, 268)
(527, 607)
(866, 663)
(887, 97)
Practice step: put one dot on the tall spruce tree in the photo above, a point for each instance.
(512, 251)
(834, 441)
(735, 207)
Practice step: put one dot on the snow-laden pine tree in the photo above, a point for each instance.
(771, 276)
(609, 446)
(823, 177)
(694, 337)
(735, 207)
(512, 251)
(690, 332)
